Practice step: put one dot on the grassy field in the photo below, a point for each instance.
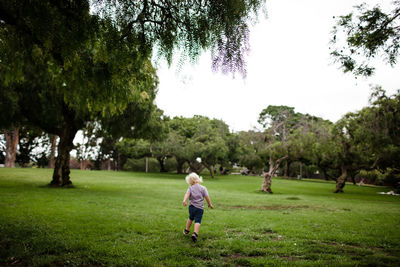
(136, 219)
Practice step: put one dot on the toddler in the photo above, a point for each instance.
(196, 194)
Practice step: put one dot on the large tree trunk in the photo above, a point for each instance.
(286, 173)
(325, 174)
(267, 178)
(84, 164)
(196, 167)
(341, 180)
(121, 162)
(210, 168)
(52, 159)
(11, 147)
(179, 166)
(61, 167)
(161, 161)
(108, 164)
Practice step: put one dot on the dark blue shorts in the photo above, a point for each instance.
(195, 214)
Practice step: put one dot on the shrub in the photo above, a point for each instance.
(390, 177)
(171, 164)
(139, 165)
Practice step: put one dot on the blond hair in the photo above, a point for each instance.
(193, 178)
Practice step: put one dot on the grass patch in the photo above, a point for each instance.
(136, 219)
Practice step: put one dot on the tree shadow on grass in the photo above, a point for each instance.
(362, 254)
(23, 243)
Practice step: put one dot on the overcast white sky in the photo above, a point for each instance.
(289, 64)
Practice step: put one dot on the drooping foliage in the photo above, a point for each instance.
(187, 26)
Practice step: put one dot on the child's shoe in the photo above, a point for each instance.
(186, 232)
(194, 237)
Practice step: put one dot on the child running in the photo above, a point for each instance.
(196, 194)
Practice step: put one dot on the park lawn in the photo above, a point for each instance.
(137, 219)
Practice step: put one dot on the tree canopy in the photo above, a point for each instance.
(63, 64)
(58, 86)
(364, 34)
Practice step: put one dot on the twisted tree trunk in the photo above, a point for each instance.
(11, 147)
(341, 180)
(210, 168)
(179, 166)
(196, 167)
(267, 178)
(161, 161)
(61, 167)
(67, 134)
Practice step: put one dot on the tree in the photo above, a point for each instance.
(368, 33)
(176, 147)
(11, 137)
(288, 137)
(273, 154)
(319, 147)
(381, 123)
(86, 150)
(31, 138)
(280, 122)
(99, 66)
(160, 150)
(209, 143)
(133, 148)
(157, 136)
(9, 114)
(351, 155)
(199, 141)
(2, 148)
(250, 144)
(379, 128)
(310, 142)
(95, 76)
(233, 145)
(181, 131)
(368, 139)
(151, 136)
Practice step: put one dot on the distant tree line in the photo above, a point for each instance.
(290, 144)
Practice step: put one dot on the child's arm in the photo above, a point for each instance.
(185, 199)
(209, 202)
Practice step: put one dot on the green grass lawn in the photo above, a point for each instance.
(124, 218)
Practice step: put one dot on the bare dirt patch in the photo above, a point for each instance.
(273, 207)
(291, 258)
(234, 256)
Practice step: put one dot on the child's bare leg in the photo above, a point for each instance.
(188, 224)
(196, 228)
